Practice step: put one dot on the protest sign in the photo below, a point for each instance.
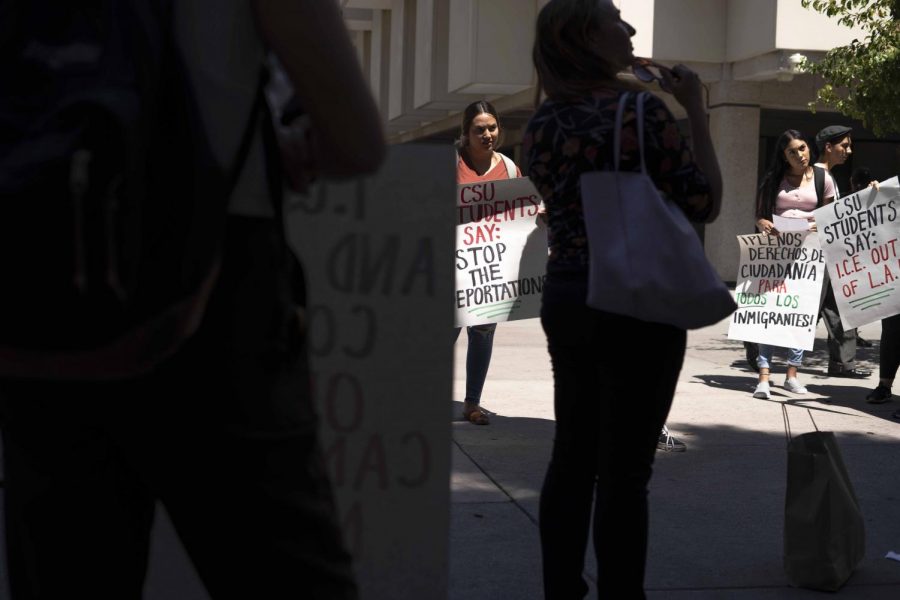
(779, 283)
(501, 252)
(859, 235)
(377, 253)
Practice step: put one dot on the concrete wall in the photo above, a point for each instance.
(425, 58)
(491, 42)
(690, 30)
(750, 27)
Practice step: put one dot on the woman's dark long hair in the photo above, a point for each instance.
(480, 107)
(778, 166)
(564, 55)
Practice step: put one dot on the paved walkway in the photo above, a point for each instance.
(716, 510)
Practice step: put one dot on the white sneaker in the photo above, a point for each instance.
(792, 385)
(762, 391)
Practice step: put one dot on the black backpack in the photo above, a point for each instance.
(112, 207)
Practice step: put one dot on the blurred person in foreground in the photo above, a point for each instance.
(222, 431)
(610, 399)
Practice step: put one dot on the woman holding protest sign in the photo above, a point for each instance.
(478, 160)
(609, 409)
(791, 188)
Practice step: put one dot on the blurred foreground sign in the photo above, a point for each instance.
(377, 253)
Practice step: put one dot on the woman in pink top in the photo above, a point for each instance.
(787, 190)
(479, 161)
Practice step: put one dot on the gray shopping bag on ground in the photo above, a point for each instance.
(824, 534)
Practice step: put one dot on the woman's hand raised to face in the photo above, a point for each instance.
(685, 85)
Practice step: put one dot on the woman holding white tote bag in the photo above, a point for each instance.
(614, 375)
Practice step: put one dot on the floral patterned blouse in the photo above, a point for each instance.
(565, 139)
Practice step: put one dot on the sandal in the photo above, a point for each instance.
(474, 414)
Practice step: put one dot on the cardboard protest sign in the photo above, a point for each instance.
(501, 252)
(859, 235)
(377, 253)
(779, 284)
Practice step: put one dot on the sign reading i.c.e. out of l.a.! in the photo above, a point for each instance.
(860, 235)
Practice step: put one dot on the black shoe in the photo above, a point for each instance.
(879, 395)
(667, 443)
(854, 373)
(896, 414)
(863, 343)
(751, 352)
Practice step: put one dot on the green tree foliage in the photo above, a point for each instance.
(862, 80)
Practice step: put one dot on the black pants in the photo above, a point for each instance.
(223, 434)
(841, 343)
(889, 358)
(614, 379)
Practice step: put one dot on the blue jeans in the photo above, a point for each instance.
(478, 358)
(795, 356)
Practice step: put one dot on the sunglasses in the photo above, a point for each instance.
(646, 70)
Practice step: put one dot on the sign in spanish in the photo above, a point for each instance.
(377, 253)
(859, 235)
(779, 283)
(501, 252)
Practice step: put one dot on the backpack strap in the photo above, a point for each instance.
(819, 180)
(236, 168)
(510, 166)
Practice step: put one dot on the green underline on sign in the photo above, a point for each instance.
(865, 306)
(505, 306)
(876, 296)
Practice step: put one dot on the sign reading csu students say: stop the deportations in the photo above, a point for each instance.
(779, 283)
(501, 252)
(859, 235)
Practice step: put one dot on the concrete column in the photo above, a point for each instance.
(735, 135)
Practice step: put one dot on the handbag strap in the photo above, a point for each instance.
(787, 421)
(617, 129)
(639, 106)
(617, 136)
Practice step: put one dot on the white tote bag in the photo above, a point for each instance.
(646, 260)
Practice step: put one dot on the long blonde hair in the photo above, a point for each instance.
(567, 62)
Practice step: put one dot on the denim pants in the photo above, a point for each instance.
(478, 358)
(794, 356)
(223, 435)
(609, 412)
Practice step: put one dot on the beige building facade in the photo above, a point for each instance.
(427, 59)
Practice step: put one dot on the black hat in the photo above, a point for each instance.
(831, 133)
